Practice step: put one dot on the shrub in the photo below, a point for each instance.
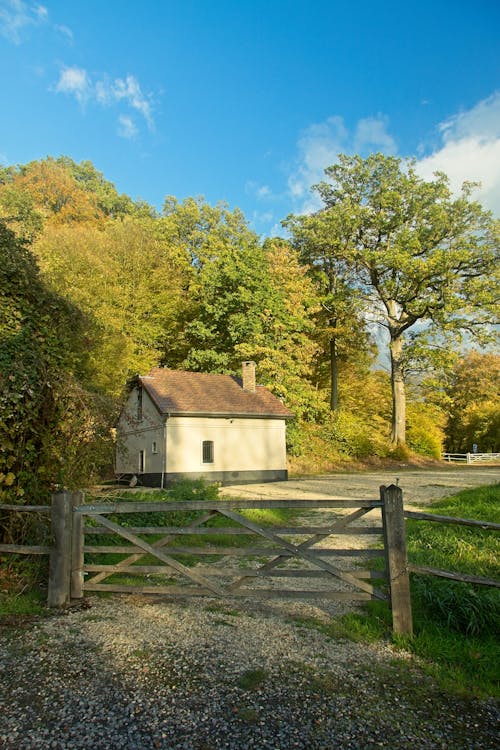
(425, 429)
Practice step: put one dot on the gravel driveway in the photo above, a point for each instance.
(132, 673)
(420, 486)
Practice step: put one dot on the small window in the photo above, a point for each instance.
(154, 447)
(142, 461)
(208, 451)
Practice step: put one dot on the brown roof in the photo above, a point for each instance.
(180, 392)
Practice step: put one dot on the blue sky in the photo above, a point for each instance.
(247, 102)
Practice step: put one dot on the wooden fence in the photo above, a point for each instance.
(471, 458)
(240, 558)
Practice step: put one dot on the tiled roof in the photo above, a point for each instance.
(180, 392)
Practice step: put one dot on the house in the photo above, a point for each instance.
(179, 424)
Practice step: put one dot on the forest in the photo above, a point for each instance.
(374, 320)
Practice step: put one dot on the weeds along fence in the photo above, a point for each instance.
(218, 548)
(462, 577)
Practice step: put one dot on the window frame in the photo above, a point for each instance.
(207, 452)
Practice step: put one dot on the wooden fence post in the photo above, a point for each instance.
(77, 548)
(60, 556)
(396, 559)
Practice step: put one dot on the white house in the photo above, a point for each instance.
(179, 424)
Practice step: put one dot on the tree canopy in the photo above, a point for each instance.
(421, 259)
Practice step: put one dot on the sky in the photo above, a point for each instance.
(247, 102)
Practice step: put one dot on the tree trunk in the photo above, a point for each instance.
(398, 435)
(334, 375)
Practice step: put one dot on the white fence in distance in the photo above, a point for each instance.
(471, 458)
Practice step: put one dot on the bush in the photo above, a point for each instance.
(193, 489)
(425, 433)
(355, 436)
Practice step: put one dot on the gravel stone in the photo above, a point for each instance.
(135, 673)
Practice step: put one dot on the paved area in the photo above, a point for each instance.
(420, 486)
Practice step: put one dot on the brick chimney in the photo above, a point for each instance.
(248, 376)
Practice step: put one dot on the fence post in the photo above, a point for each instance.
(77, 548)
(396, 560)
(60, 556)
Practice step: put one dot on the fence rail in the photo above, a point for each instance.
(462, 577)
(471, 458)
(24, 549)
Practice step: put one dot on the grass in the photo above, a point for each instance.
(252, 679)
(21, 589)
(455, 624)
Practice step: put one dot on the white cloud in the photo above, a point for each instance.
(16, 16)
(319, 146)
(65, 31)
(121, 91)
(126, 127)
(127, 90)
(470, 150)
(76, 82)
(261, 192)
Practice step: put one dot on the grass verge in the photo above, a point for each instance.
(455, 624)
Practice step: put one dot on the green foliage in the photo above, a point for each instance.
(471, 399)
(51, 430)
(185, 490)
(353, 436)
(457, 606)
(425, 433)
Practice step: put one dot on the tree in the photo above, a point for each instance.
(283, 347)
(226, 290)
(130, 282)
(472, 403)
(51, 429)
(340, 328)
(424, 261)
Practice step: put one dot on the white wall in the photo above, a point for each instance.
(239, 444)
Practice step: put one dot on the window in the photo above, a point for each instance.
(208, 451)
(154, 447)
(142, 461)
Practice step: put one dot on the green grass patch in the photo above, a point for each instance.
(252, 679)
(30, 602)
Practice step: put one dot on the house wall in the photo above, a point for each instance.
(135, 435)
(243, 449)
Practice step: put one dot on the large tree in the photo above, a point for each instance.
(422, 259)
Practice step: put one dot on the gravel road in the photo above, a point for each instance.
(134, 673)
(420, 486)
(130, 673)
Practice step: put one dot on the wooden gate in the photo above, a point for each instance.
(205, 548)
